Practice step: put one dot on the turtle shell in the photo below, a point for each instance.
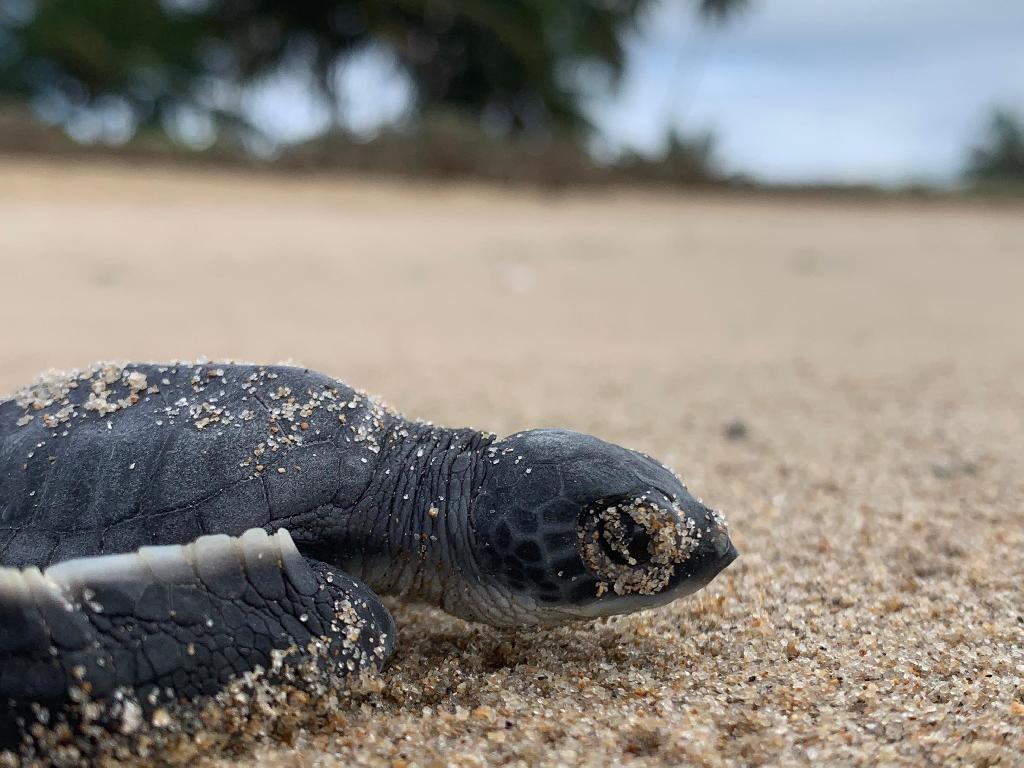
(119, 456)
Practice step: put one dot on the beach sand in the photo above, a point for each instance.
(844, 380)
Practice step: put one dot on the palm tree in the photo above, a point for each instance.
(509, 58)
(1000, 156)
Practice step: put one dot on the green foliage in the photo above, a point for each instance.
(447, 145)
(441, 145)
(720, 10)
(518, 61)
(686, 160)
(999, 159)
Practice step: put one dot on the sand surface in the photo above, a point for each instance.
(845, 381)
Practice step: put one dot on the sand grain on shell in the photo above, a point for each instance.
(844, 381)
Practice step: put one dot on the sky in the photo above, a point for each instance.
(848, 91)
(883, 91)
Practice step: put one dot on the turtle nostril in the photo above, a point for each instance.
(726, 550)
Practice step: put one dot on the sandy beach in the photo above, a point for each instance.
(844, 380)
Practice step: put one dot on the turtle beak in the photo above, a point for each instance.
(727, 552)
(723, 551)
(712, 556)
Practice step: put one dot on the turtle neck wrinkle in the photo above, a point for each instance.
(411, 535)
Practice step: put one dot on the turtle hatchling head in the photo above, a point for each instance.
(570, 527)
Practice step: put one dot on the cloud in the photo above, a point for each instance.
(800, 90)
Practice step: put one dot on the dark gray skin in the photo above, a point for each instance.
(113, 459)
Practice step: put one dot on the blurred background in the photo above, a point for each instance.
(533, 194)
(546, 194)
(778, 244)
(683, 92)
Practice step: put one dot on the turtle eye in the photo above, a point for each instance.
(623, 541)
(633, 545)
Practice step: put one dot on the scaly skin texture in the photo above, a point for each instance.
(175, 622)
(119, 457)
(489, 529)
(136, 620)
(538, 528)
(409, 533)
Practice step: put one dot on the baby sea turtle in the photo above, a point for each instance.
(167, 528)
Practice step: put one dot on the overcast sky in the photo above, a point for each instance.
(795, 90)
(799, 90)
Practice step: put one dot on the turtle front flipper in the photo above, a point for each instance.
(179, 622)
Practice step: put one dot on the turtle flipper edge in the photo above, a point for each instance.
(178, 621)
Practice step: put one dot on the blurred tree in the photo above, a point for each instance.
(1000, 156)
(521, 64)
(685, 160)
(720, 10)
